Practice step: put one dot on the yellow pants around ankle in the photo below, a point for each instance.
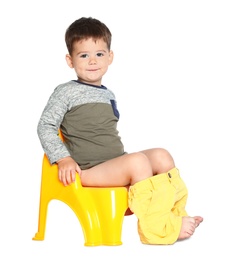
(159, 204)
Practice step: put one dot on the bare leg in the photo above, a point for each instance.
(128, 169)
(121, 171)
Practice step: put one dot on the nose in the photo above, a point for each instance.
(92, 60)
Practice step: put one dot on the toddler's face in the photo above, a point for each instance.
(90, 59)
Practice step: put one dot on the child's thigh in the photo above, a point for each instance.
(114, 172)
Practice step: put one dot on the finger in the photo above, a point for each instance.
(59, 176)
(64, 181)
(68, 177)
(73, 174)
(62, 177)
(78, 170)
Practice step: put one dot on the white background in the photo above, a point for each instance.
(169, 76)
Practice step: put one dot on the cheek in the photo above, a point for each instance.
(106, 63)
(79, 66)
(105, 66)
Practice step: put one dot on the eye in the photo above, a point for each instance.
(100, 54)
(83, 56)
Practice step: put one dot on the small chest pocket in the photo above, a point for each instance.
(114, 106)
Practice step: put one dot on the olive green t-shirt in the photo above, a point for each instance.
(87, 116)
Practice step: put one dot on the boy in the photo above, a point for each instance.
(86, 113)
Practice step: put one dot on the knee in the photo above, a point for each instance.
(140, 167)
(138, 160)
(164, 160)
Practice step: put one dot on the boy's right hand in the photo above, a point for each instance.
(67, 169)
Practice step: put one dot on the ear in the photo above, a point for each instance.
(111, 56)
(68, 59)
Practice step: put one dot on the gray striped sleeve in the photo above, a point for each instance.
(49, 124)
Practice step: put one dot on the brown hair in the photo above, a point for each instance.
(85, 28)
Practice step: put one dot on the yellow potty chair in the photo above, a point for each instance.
(100, 211)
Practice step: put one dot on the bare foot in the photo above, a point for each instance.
(189, 224)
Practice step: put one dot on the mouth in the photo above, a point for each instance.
(91, 70)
